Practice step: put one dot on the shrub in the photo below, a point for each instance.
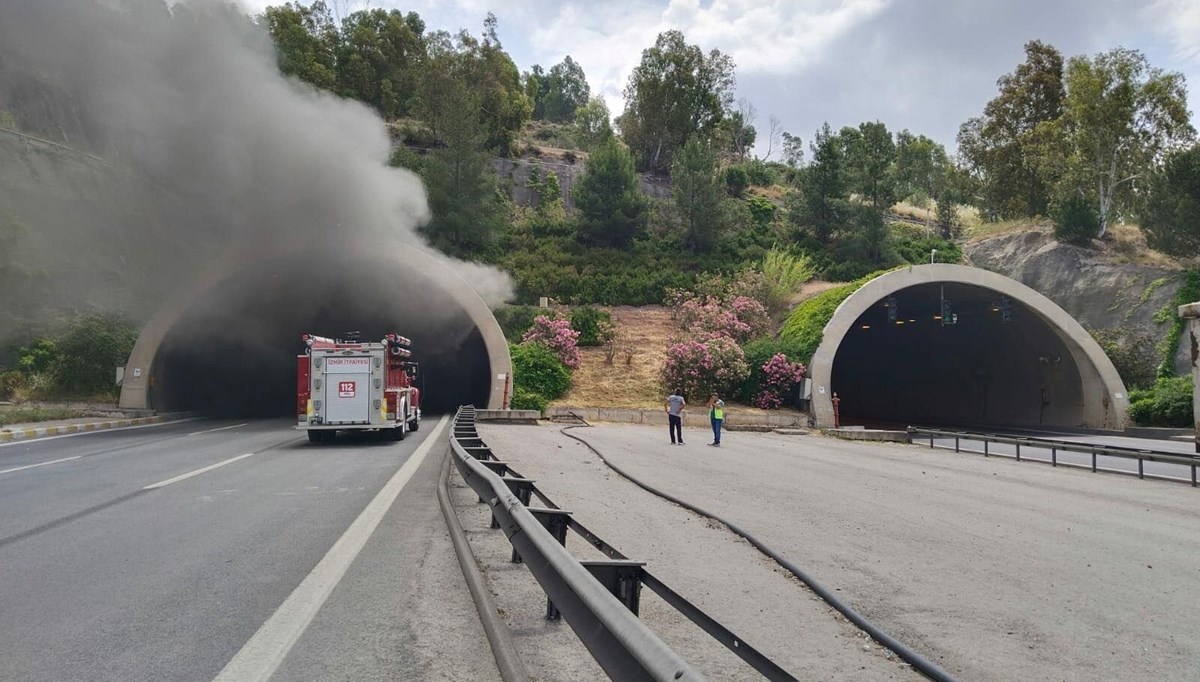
(779, 376)
(761, 209)
(848, 271)
(758, 353)
(589, 321)
(515, 320)
(523, 399)
(741, 319)
(11, 382)
(736, 181)
(783, 273)
(557, 335)
(1076, 221)
(89, 351)
(1168, 403)
(915, 249)
(537, 370)
(700, 367)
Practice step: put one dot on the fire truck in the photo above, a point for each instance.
(346, 384)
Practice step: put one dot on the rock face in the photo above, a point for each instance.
(514, 176)
(1097, 293)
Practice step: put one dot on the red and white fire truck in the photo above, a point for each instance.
(346, 384)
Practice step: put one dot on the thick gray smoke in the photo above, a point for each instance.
(193, 100)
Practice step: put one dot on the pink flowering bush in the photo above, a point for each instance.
(742, 318)
(778, 378)
(700, 367)
(556, 334)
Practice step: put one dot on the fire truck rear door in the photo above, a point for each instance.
(347, 389)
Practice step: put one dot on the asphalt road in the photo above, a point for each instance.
(172, 552)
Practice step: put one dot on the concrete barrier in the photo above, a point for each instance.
(695, 418)
(870, 434)
(510, 416)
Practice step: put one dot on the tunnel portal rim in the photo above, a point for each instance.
(141, 363)
(1100, 381)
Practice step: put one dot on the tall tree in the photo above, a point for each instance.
(1171, 214)
(1121, 117)
(306, 42)
(698, 191)
(738, 133)
(593, 124)
(921, 167)
(675, 93)
(820, 204)
(566, 91)
(379, 58)
(1002, 149)
(609, 197)
(869, 155)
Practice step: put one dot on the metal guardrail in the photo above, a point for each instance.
(1054, 446)
(599, 599)
(623, 646)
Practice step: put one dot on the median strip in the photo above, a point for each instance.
(197, 472)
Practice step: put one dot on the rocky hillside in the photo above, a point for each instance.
(1090, 285)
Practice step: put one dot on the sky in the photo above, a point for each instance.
(924, 65)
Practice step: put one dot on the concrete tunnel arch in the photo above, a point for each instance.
(410, 279)
(1042, 369)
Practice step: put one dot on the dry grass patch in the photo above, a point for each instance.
(645, 330)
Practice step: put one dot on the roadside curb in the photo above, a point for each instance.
(30, 434)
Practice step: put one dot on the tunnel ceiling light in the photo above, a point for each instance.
(866, 326)
(937, 317)
(899, 322)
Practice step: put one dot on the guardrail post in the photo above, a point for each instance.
(1093, 461)
(1018, 452)
(553, 520)
(956, 443)
(1193, 473)
(931, 441)
(985, 447)
(1141, 465)
(622, 578)
(522, 488)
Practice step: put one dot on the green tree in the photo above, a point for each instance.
(593, 123)
(1003, 149)
(820, 203)
(698, 189)
(1170, 218)
(1120, 119)
(459, 175)
(869, 155)
(609, 198)
(793, 150)
(921, 169)
(675, 93)
(566, 91)
(1076, 220)
(379, 58)
(737, 132)
(306, 42)
(89, 352)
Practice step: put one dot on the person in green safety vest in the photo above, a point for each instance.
(716, 414)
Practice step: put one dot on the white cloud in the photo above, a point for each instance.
(1180, 21)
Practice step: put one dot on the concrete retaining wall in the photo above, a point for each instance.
(696, 419)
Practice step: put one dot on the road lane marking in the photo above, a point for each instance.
(34, 466)
(261, 656)
(197, 472)
(223, 428)
(43, 439)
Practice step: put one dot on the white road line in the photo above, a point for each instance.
(43, 439)
(261, 656)
(34, 466)
(223, 428)
(197, 472)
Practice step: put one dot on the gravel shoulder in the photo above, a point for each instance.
(702, 560)
(998, 570)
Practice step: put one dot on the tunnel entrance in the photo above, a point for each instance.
(232, 352)
(992, 361)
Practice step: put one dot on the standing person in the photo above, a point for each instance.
(716, 413)
(674, 407)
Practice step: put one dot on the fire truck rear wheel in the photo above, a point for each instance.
(397, 433)
(315, 437)
(414, 425)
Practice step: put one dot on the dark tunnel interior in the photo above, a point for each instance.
(899, 364)
(233, 353)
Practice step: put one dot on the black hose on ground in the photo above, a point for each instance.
(508, 661)
(916, 660)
